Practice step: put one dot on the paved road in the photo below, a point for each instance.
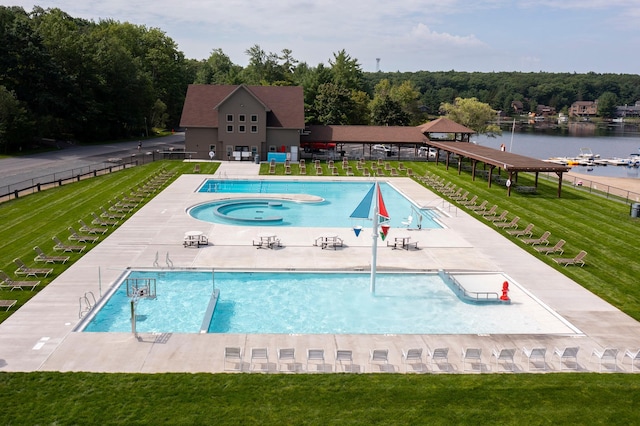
(24, 168)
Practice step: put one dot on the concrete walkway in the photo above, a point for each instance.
(40, 335)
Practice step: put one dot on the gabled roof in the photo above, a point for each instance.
(284, 104)
(444, 125)
(363, 134)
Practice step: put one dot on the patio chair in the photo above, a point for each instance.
(81, 238)
(412, 357)
(557, 248)
(42, 257)
(567, 354)
(316, 356)
(633, 355)
(440, 356)
(544, 239)
(461, 197)
(379, 357)
(30, 272)
(233, 355)
(470, 202)
(344, 357)
(479, 208)
(60, 246)
(506, 356)
(501, 218)
(572, 261)
(7, 304)
(97, 220)
(259, 356)
(609, 355)
(535, 354)
(407, 223)
(527, 231)
(504, 225)
(110, 215)
(287, 357)
(471, 355)
(91, 229)
(7, 282)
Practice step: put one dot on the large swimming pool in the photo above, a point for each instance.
(326, 204)
(319, 303)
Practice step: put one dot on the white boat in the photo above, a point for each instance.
(618, 161)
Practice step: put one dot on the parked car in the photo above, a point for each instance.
(429, 152)
(382, 149)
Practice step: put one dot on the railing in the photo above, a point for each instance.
(597, 188)
(479, 296)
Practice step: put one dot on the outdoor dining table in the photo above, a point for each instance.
(267, 240)
(194, 239)
(402, 243)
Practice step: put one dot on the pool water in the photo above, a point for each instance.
(315, 303)
(336, 202)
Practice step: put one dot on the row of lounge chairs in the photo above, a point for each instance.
(377, 169)
(416, 359)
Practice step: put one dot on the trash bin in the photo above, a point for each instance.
(635, 210)
(256, 158)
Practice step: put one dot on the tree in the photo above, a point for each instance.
(607, 105)
(389, 113)
(346, 71)
(473, 114)
(218, 69)
(15, 128)
(332, 105)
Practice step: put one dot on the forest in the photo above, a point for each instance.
(71, 79)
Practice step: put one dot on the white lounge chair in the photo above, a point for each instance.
(407, 223)
(633, 355)
(506, 356)
(607, 355)
(30, 272)
(413, 357)
(473, 356)
(7, 304)
(345, 358)
(567, 354)
(379, 357)
(233, 355)
(287, 357)
(259, 357)
(535, 355)
(316, 357)
(440, 356)
(579, 259)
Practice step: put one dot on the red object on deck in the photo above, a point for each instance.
(505, 291)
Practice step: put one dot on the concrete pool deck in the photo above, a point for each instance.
(40, 336)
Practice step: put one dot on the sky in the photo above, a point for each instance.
(576, 36)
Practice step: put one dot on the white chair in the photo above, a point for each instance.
(379, 356)
(567, 354)
(635, 356)
(609, 355)
(316, 356)
(506, 356)
(343, 357)
(259, 356)
(287, 357)
(535, 354)
(440, 356)
(233, 355)
(473, 355)
(407, 223)
(413, 357)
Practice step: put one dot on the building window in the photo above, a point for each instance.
(230, 128)
(229, 118)
(242, 118)
(254, 118)
(254, 129)
(241, 128)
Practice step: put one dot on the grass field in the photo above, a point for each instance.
(602, 227)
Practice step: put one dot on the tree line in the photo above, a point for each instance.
(74, 79)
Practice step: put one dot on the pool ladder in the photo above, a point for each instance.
(168, 261)
(87, 302)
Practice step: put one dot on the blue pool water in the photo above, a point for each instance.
(337, 202)
(309, 303)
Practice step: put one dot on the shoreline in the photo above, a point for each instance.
(627, 184)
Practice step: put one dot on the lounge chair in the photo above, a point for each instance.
(572, 261)
(488, 213)
(97, 220)
(461, 197)
(379, 356)
(506, 356)
(470, 202)
(528, 231)
(472, 355)
(479, 208)
(233, 355)
(60, 246)
(344, 357)
(316, 356)
(512, 224)
(544, 239)
(82, 238)
(91, 229)
(535, 354)
(413, 357)
(633, 355)
(110, 215)
(303, 169)
(42, 257)
(287, 357)
(606, 355)
(30, 272)
(259, 356)
(567, 354)
(501, 218)
(440, 356)
(7, 282)
(7, 304)
(557, 248)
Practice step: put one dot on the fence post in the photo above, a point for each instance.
(15, 193)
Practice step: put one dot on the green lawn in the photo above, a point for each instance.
(602, 227)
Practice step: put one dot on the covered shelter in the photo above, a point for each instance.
(444, 128)
(507, 161)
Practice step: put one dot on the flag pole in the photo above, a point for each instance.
(374, 245)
